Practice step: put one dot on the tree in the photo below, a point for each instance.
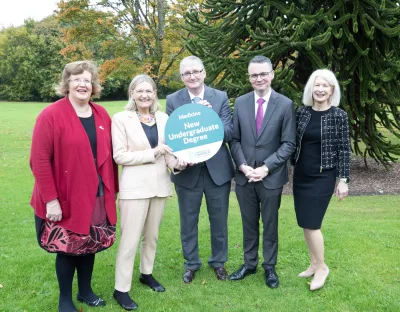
(129, 37)
(30, 62)
(358, 40)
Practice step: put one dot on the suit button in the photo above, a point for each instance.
(257, 148)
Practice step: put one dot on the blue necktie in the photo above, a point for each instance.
(196, 100)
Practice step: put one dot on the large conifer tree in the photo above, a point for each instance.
(358, 40)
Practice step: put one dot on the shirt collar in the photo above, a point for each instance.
(201, 95)
(265, 97)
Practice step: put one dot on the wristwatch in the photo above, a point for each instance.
(266, 169)
(345, 180)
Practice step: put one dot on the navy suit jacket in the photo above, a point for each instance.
(220, 166)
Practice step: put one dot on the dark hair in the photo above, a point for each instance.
(258, 59)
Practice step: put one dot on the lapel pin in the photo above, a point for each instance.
(101, 127)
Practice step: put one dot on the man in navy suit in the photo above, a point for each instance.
(211, 178)
(264, 139)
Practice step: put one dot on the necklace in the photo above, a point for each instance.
(146, 118)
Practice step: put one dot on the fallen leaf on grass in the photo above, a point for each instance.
(204, 282)
(1, 286)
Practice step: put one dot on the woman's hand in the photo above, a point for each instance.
(180, 164)
(162, 149)
(53, 210)
(342, 190)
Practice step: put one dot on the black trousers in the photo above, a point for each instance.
(254, 199)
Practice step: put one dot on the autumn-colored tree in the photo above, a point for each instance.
(127, 37)
(358, 40)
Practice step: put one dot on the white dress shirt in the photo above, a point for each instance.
(265, 104)
(201, 95)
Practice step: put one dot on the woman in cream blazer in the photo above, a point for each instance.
(139, 146)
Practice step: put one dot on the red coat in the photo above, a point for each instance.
(62, 164)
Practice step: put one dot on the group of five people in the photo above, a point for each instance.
(76, 148)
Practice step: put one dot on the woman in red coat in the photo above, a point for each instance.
(76, 181)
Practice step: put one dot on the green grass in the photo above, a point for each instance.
(362, 238)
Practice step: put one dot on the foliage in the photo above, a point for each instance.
(30, 62)
(127, 37)
(358, 40)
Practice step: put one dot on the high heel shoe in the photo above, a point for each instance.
(318, 284)
(307, 273)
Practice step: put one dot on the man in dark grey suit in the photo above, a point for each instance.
(264, 138)
(213, 177)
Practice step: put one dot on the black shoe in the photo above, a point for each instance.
(95, 303)
(149, 280)
(271, 278)
(221, 273)
(67, 310)
(188, 276)
(242, 273)
(125, 300)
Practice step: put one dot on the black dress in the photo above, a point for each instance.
(312, 187)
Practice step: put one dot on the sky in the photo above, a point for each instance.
(14, 12)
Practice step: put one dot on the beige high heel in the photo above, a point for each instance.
(307, 273)
(318, 284)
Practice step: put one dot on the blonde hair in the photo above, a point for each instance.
(132, 86)
(77, 68)
(330, 77)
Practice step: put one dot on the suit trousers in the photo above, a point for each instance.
(139, 217)
(254, 199)
(217, 200)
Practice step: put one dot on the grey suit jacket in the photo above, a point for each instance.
(275, 143)
(220, 166)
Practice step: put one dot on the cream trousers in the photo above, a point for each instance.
(139, 217)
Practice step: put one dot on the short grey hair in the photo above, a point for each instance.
(330, 77)
(259, 59)
(190, 60)
(131, 106)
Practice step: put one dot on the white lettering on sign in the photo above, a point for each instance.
(191, 133)
(188, 115)
(191, 124)
(195, 139)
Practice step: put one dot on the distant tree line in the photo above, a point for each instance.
(124, 38)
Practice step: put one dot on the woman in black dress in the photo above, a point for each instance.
(322, 155)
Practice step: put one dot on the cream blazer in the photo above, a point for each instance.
(143, 176)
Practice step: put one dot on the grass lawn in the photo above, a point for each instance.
(362, 238)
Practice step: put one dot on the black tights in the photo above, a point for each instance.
(65, 269)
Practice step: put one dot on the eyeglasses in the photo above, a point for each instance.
(80, 81)
(261, 75)
(195, 73)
